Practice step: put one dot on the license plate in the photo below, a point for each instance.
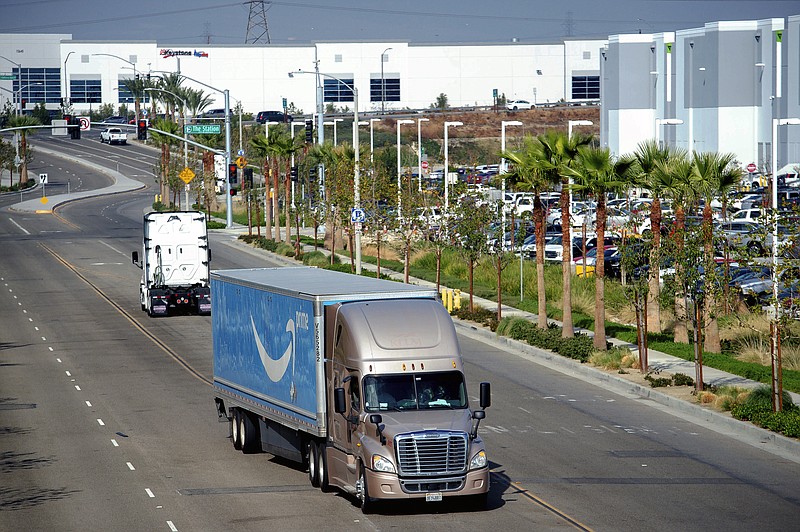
(433, 497)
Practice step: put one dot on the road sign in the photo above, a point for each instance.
(85, 123)
(7, 76)
(42, 179)
(358, 216)
(752, 167)
(240, 153)
(241, 162)
(186, 175)
(202, 129)
(424, 165)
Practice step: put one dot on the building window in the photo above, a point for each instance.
(85, 91)
(126, 96)
(39, 85)
(336, 91)
(337, 58)
(585, 87)
(390, 89)
(587, 55)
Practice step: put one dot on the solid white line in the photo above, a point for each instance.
(114, 249)
(526, 411)
(114, 443)
(171, 526)
(130, 466)
(149, 493)
(100, 422)
(88, 404)
(20, 227)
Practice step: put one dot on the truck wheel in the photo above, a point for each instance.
(313, 463)
(235, 429)
(248, 434)
(367, 504)
(322, 467)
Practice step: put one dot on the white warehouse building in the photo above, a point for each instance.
(710, 89)
(412, 76)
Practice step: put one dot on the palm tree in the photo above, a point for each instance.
(264, 147)
(285, 148)
(136, 87)
(675, 180)
(168, 179)
(196, 100)
(599, 173)
(647, 155)
(528, 174)
(25, 122)
(715, 176)
(558, 151)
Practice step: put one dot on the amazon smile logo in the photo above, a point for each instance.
(276, 367)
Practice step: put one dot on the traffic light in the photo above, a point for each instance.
(74, 132)
(248, 177)
(293, 174)
(233, 175)
(233, 192)
(309, 131)
(141, 129)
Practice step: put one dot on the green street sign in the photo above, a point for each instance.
(202, 129)
(6, 75)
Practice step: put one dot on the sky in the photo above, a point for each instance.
(198, 22)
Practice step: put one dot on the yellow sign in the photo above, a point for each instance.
(44, 200)
(241, 162)
(187, 175)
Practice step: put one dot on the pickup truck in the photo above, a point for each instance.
(114, 135)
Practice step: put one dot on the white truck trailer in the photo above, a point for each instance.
(175, 264)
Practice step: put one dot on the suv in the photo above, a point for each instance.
(115, 120)
(214, 113)
(272, 116)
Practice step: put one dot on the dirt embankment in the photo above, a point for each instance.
(487, 124)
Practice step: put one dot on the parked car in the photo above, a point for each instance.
(272, 116)
(515, 105)
(213, 113)
(115, 120)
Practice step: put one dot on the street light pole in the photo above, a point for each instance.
(569, 137)
(383, 83)
(777, 398)
(66, 80)
(335, 128)
(666, 122)
(419, 150)
(356, 155)
(185, 138)
(400, 169)
(503, 169)
(447, 164)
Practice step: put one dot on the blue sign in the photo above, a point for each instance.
(240, 153)
(358, 215)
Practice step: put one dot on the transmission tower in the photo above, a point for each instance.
(568, 25)
(257, 28)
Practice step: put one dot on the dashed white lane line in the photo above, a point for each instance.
(88, 404)
(68, 374)
(30, 319)
(79, 389)
(51, 349)
(149, 493)
(35, 328)
(114, 443)
(100, 422)
(172, 527)
(44, 339)
(130, 466)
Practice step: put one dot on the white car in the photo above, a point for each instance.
(114, 135)
(514, 105)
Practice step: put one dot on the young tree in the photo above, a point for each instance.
(470, 221)
(25, 122)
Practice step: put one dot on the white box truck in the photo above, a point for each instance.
(359, 379)
(175, 263)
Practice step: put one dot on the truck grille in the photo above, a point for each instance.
(431, 453)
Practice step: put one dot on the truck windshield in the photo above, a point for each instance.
(414, 391)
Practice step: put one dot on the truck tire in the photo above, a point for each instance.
(322, 467)
(362, 490)
(313, 463)
(248, 433)
(235, 425)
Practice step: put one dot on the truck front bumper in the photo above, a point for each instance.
(390, 486)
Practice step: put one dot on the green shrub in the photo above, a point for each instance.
(579, 347)
(679, 379)
(213, 224)
(614, 358)
(316, 258)
(478, 315)
(658, 382)
(284, 249)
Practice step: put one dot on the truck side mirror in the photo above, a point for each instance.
(339, 401)
(486, 395)
(377, 419)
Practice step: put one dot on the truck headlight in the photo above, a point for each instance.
(478, 461)
(380, 463)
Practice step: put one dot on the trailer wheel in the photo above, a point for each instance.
(237, 444)
(248, 435)
(322, 467)
(366, 502)
(313, 463)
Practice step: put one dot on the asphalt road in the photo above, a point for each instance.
(107, 418)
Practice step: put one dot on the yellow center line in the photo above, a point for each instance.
(547, 506)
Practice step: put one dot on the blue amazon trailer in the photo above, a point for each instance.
(300, 355)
